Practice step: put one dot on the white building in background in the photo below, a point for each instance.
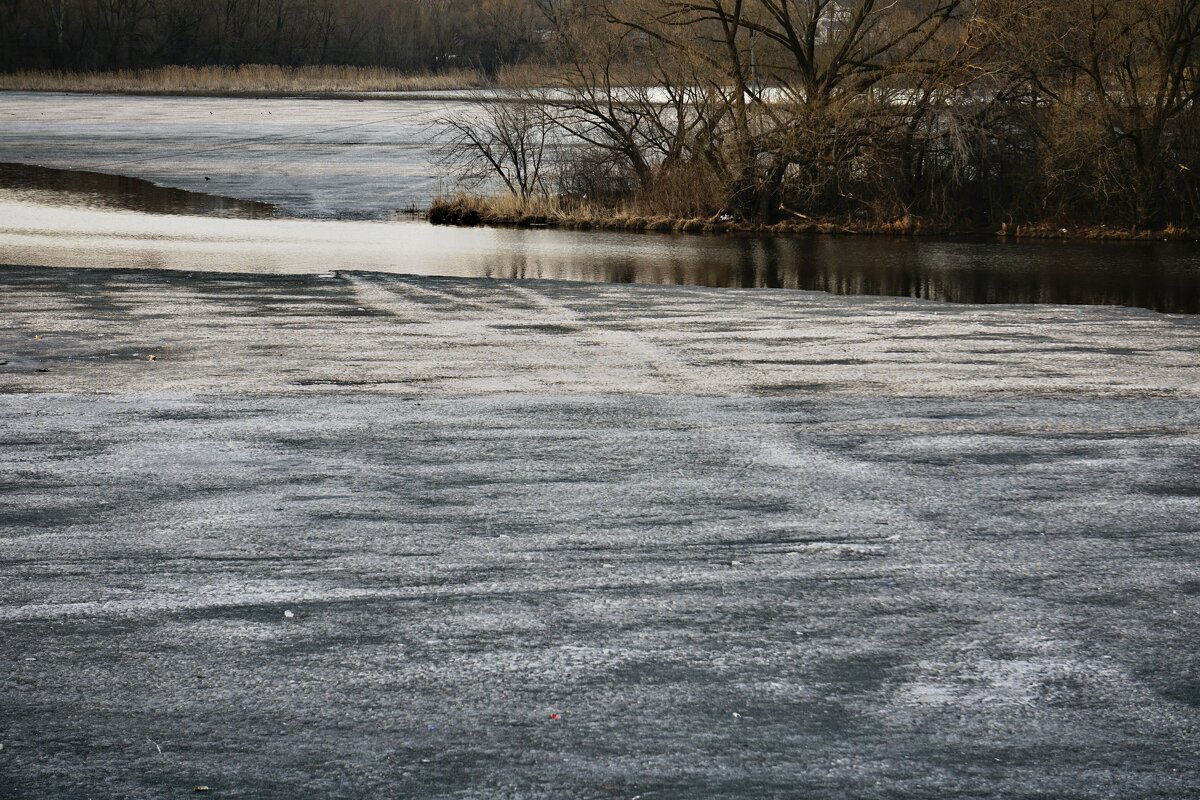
(835, 18)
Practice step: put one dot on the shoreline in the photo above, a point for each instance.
(250, 81)
(424, 93)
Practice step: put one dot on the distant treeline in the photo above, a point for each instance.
(410, 35)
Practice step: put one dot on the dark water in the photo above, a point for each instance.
(99, 190)
(1157, 276)
(49, 217)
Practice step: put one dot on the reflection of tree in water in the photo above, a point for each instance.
(1159, 277)
(1164, 277)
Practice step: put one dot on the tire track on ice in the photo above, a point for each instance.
(765, 446)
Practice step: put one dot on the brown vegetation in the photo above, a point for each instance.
(548, 212)
(249, 78)
(1039, 114)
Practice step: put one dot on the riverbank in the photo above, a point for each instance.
(254, 80)
(503, 211)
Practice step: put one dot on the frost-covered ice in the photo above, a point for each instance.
(312, 158)
(744, 544)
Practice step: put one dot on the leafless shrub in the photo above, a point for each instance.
(583, 172)
(507, 140)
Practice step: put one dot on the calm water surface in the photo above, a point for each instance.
(1155, 276)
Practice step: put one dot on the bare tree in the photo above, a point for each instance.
(1131, 68)
(506, 139)
(798, 81)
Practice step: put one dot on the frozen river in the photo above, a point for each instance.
(749, 544)
(361, 159)
(336, 506)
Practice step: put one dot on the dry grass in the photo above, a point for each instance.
(473, 209)
(529, 76)
(469, 209)
(1054, 230)
(249, 79)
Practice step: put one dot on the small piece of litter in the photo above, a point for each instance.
(735, 564)
(151, 358)
(736, 715)
(201, 789)
(555, 716)
(288, 614)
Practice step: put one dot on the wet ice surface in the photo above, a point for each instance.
(314, 158)
(745, 544)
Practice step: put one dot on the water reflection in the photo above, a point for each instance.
(1158, 276)
(1162, 277)
(98, 190)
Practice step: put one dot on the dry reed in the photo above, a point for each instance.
(248, 79)
(555, 212)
